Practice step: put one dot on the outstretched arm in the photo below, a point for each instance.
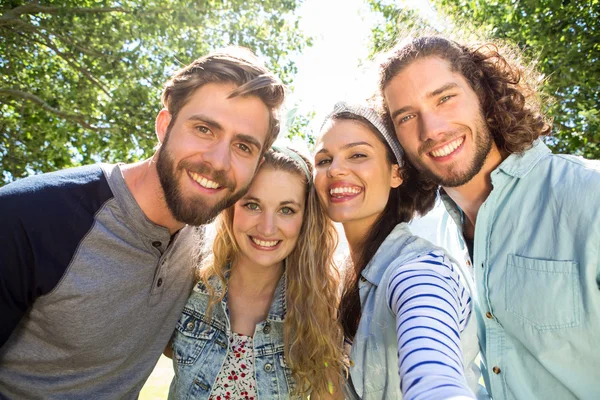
(431, 307)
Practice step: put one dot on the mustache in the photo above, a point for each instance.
(445, 138)
(220, 177)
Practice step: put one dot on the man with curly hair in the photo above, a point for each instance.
(526, 220)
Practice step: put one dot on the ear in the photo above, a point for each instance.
(262, 160)
(162, 123)
(396, 179)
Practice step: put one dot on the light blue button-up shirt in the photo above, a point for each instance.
(537, 272)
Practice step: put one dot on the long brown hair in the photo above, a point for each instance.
(404, 202)
(313, 338)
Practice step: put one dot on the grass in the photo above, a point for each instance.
(157, 386)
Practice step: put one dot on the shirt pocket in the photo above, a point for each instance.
(191, 337)
(543, 293)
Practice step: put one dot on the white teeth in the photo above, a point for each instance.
(265, 243)
(202, 181)
(447, 149)
(341, 190)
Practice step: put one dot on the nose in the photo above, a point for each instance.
(337, 167)
(218, 156)
(267, 225)
(433, 125)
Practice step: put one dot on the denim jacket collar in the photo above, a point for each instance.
(374, 271)
(278, 305)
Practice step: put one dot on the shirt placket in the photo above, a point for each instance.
(494, 333)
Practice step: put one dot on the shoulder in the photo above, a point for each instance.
(60, 192)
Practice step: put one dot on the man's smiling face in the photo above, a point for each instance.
(438, 121)
(210, 153)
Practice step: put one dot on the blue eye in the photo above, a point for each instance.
(252, 206)
(287, 211)
(445, 99)
(406, 118)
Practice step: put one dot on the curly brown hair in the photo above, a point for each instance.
(507, 88)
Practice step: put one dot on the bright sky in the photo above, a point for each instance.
(336, 67)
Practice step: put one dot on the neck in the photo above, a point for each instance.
(254, 280)
(143, 183)
(470, 196)
(356, 231)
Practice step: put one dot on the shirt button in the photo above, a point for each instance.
(482, 266)
(496, 370)
(156, 243)
(468, 263)
(489, 315)
(267, 329)
(268, 367)
(159, 282)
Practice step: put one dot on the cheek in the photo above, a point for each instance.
(320, 186)
(292, 228)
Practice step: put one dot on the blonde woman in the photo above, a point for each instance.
(260, 322)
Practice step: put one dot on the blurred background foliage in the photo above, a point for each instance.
(80, 80)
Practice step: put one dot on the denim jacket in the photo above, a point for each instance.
(200, 347)
(374, 355)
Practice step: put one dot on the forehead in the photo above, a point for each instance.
(422, 77)
(276, 186)
(340, 132)
(241, 114)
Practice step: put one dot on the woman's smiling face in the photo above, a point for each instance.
(353, 176)
(268, 219)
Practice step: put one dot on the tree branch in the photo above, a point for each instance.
(80, 119)
(48, 43)
(34, 8)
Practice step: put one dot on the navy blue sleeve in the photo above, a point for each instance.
(42, 220)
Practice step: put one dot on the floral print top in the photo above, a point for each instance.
(236, 378)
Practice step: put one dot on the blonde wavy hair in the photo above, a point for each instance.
(312, 335)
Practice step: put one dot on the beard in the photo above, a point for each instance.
(193, 209)
(482, 141)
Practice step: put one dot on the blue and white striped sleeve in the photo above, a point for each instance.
(432, 307)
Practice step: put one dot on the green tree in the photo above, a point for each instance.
(80, 80)
(564, 39)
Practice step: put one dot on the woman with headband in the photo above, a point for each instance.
(261, 322)
(405, 306)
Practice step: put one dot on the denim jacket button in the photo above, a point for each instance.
(189, 326)
(267, 329)
(268, 367)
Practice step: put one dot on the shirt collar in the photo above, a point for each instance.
(515, 165)
(386, 253)
(519, 165)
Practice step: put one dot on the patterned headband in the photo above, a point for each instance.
(370, 115)
(296, 157)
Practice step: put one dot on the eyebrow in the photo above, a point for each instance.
(347, 146)
(436, 92)
(249, 139)
(283, 203)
